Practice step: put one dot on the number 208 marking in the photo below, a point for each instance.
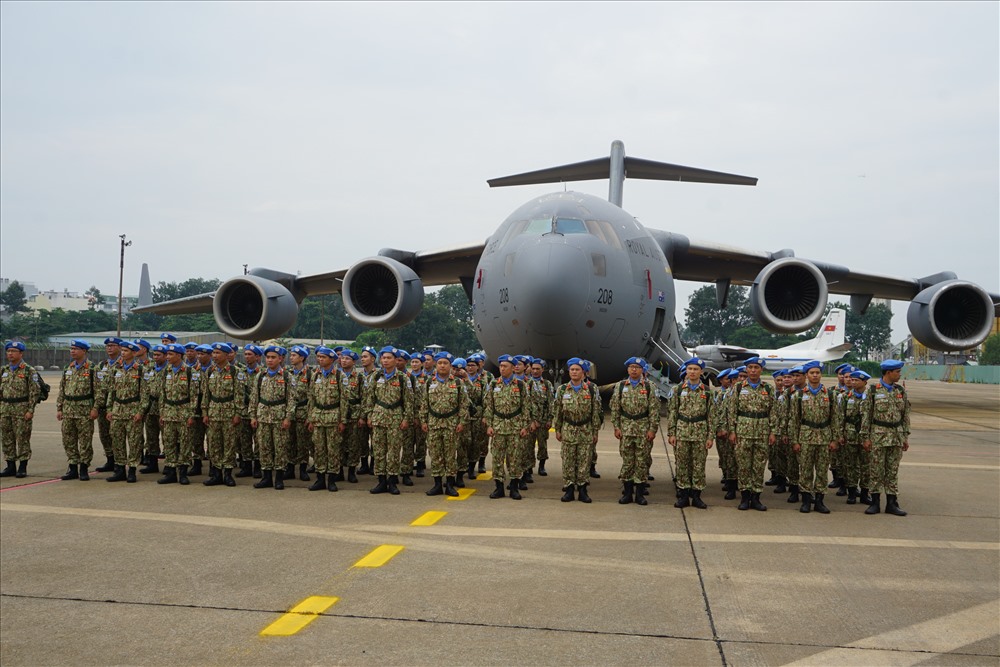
(604, 295)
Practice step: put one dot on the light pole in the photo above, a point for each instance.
(121, 280)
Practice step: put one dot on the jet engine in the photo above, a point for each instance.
(381, 292)
(254, 308)
(788, 295)
(952, 315)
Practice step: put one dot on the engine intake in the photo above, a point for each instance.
(789, 295)
(381, 292)
(950, 316)
(254, 308)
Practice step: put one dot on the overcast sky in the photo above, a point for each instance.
(306, 136)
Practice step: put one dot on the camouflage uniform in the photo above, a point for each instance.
(577, 418)
(388, 402)
(727, 457)
(419, 437)
(153, 377)
(300, 444)
(542, 395)
(785, 398)
(199, 374)
(507, 412)
(443, 407)
(752, 416)
(326, 403)
(104, 372)
(407, 452)
(885, 420)
(476, 438)
(272, 402)
(178, 402)
(354, 444)
(635, 411)
(19, 394)
(780, 455)
(249, 445)
(855, 460)
(692, 422)
(813, 420)
(77, 396)
(128, 396)
(223, 389)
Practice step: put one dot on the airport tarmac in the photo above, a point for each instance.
(144, 574)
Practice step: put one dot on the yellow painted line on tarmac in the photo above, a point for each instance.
(428, 518)
(484, 476)
(462, 494)
(379, 556)
(956, 466)
(299, 616)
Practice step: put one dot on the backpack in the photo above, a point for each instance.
(43, 386)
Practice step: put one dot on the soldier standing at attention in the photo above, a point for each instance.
(353, 442)
(752, 422)
(843, 388)
(153, 377)
(178, 402)
(543, 394)
(782, 450)
(480, 381)
(388, 410)
(727, 460)
(885, 433)
(854, 458)
(507, 417)
(272, 404)
(813, 420)
(407, 460)
(325, 405)
(635, 414)
(418, 377)
(199, 372)
(369, 355)
(19, 393)
(76, 409)
(249, 459)
(466, 459)
(444, 410)
(300, 446)
(691, 425)
(578, 416)
(223, 389)
(795, 384)
(112, 348)
(128, 402)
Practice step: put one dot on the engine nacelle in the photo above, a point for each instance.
(950, 316)
(254, 308)
(788, 295)
(381, 292)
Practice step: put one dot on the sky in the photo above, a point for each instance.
(306, 136)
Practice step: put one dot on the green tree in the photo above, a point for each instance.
(94, 297)
(708, 324)
(991, 351)
(14, 298)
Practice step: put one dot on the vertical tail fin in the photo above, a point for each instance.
(831, 333)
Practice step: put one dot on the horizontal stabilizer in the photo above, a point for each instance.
(634, 168)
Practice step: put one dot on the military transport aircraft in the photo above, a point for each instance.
(569, 274)
(828, 345)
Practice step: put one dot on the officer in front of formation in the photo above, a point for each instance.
(76, 409)
(813, 421)
(324, 406)
(752, 422)
(444, 410)
(635, 415)
(691, 424)
(222, 396)
(272, 410)
(127, 405)
(388, 408)
(19, 393)
(885, 435)
(507, 415)
(178, 401)
(577, 418)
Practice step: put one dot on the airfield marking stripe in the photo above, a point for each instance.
(25, 486)
(938, 635)
(958, 466)
(379, 556)
(299, 616)
(428, 518)
(484, 476)
(462, 494)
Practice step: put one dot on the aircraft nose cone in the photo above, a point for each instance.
(554, 281)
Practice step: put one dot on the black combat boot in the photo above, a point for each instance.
(744, 500)
(640, 496)
(195, 467)
(514, 487)
(352, 475)
(774, 479)
(836, 479)
(227, 477)
(865, 497)
(289, 471)
(875, 506)
(582, 494)
(311, 469)
(245, 469)
(730, 489)
(84, 475)
(644, 489)
(696, 500)
(780, 486)
(793, 497)
(279, 479)
(756, 504)
(498, 492)
(568, 495)
(806, 503)
(482, 464)
(449, 487)
(541, 468)
(303, 475)
(820, 505)
(71, 473)
(407, 479)
(320, 483)
(169, 476)
(265, 481)
(521, 484)
(842, 490)
(364, 469)
(22, 469)
(470, 471)
(255, 469)
(682, 499)
(420, 467)
(182, 476)
(435, 490)
(593, 471)
(382, 485)
(119, 475)
(214, 477)
(108, 466)
(152, 465)
(337, 476)
(459, 482)
(852, 495)
(130, 475)
(528, 476)
(331, 484)
(628, 488)
(393, 481)
(892, 506)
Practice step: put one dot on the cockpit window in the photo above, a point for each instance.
(570, 226)
(538, 227)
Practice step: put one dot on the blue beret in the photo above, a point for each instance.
(350, 353)
(82, 344)
(388, 349)
(16, 345)
(129, 345)
(477, 358)
(169, 336)
(539, 361)
(633, 360)
(860, 375)
(113, 340)
(726, 373)
(174, 347)
(325, 351)
(575, 361)
(204, 348)
(809, 365)
(505, 357)
(223, 347)
(158, 348)
(755, 360)
(840, 368)
(300, 350)
(695, 361)
(796, 369)
(274, 348)
(253, 348)
(443, 355)
(370, 350)
(144, 343)
(459, 362)
(741, 369)
(403, 354)
(338, 348)
(777, 374)
(191, 346)
(891, 365)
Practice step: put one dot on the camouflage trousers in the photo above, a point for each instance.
(528, 452)
(420, 446)
(104, 431)
(353, 445)
(540, 442)
(792, 470)
(506, 461)
(387, 447)
(635, 453)
(328, 444)
(837, 461)
(691, 456)
(78, 439)
(480, 440)
(246, 442)
(468, 452)
(176, 443)
(751, 459)
(272, 445)
(223, 441)
(197, 435)
(777, 458)
(15, 433)
(407, 449)
(126, 441)
(577, 455)
(727, 458)
(814, 463)
(300, 444)
(855, 464)
(151, 430)
(884, 473)
(442, 444)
